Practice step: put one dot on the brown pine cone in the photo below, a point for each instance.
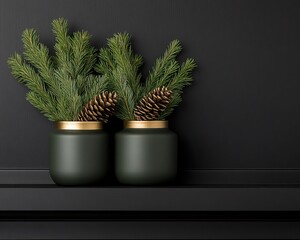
(100, 108)
(153, 104)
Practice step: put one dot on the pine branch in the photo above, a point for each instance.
(83, 54)
(169, 72)
(174, 102)
(69, 102)
(83, 58)
(184, 76)
(106, 64)
(38, 101)
(58, 85)
(38, 55)
(27, 75)
(119, 58)
(62, 45)
(95, 84)
(74, 54)
(164, 67)
(119, 55)
(125, 94)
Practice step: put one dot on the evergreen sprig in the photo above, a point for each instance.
(126, 95)
(121, 65)
(164, 68)
(38, 95)
(58, 85)
(181, 79)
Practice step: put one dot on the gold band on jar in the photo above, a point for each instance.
(79, 125)
(146, 124)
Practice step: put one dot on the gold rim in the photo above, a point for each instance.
(146, 124)
(74, 125)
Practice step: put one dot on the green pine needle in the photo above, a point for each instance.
(39, 97)
(164, 67)
(121, 65)
(183, 77)
(62, 45)
(126, 95)
(58, 85)
(94, 85)
(175, 101)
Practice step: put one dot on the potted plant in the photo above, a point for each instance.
(66, 90)
(146, 150)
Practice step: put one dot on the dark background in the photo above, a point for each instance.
(242, 111)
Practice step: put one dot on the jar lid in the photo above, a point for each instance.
(146, 124)
(79, 125)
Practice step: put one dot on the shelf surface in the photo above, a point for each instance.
(167, 198)
(168, 212)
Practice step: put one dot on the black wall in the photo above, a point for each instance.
(243, 108)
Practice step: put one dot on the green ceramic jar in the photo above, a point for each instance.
(78, 153)
(146, 153)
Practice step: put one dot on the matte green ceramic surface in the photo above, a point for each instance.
(78, 157)
(145, 156)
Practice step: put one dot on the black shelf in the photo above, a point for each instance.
(47, 211)
(208, 198)
(32, 207)
(211, 211)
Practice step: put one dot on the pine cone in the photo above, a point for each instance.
(152, 104)
(100, 108)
